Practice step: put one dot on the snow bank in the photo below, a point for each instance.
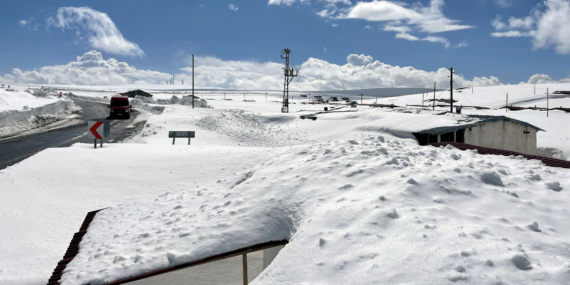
(40, 121)
(16, 100)
(7, 117)
(375, 209)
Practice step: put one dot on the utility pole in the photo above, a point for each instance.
(547, 102)
(290, 73)
(434, 95)
(192, 81)
(361, 96)
(451, 89)
(507, 105)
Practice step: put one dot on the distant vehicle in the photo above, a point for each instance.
(120, 107)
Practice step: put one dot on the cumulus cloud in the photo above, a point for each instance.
(540, 78)
(88, 69)
(548, 25)
(359, 71)
(99, 29)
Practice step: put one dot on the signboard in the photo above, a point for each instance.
(98, 130)
(189, 134)
(179, 134)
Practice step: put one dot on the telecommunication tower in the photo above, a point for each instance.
(290, 73)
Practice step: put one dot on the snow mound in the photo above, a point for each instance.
(343, 234)
(247, 129)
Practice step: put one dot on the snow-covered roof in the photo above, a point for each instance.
(373, 209)
(472, 120)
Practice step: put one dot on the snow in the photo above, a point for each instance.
(358, 199)
(325, 199)
(17, 99)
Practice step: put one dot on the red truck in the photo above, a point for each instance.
(120, 107)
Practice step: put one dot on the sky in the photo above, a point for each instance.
(338, 44)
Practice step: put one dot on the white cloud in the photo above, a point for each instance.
(100, 30)
(290, 2)
(285, 2)
(504, 3)
(233, 7)
(498, 23)
(521, 23)
(360, 71)
(88, 69)
(359, 60)
(398, 16)
(461, 45)
(548, 24)
(426, 19)
(367, 27)
(540, 78)
(334, 25)
(28, 24)
(406, 36)
(511, 34)
(553, 27)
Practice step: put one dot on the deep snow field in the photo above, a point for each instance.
(360, 202)
(17, 99)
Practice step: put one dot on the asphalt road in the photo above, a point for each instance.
(17, 149)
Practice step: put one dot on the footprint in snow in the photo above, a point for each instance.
(521, 262)
(534, 226)
(555, 186)
(345, 187)
(492, 178)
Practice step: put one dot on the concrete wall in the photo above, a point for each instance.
(270, 254)
(7, 117)
(503, 134)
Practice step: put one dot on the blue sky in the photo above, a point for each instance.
(166, 33)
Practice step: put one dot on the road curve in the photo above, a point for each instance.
(17, 149)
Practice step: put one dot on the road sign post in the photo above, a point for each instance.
(178, 134)
(98, 130)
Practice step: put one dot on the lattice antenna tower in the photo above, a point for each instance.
(290, 73)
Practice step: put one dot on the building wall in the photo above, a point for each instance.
(503, 134)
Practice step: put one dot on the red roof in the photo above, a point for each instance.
(485, 150)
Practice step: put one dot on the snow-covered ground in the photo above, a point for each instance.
(359, 200)
(17, 99)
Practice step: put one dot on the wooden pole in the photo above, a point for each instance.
(547, 102)
(451, 90)
(244, 259)
(434, 95)
(192, 81)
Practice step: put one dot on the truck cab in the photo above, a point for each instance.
(120, 107)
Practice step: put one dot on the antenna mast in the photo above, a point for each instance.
(290, 73)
